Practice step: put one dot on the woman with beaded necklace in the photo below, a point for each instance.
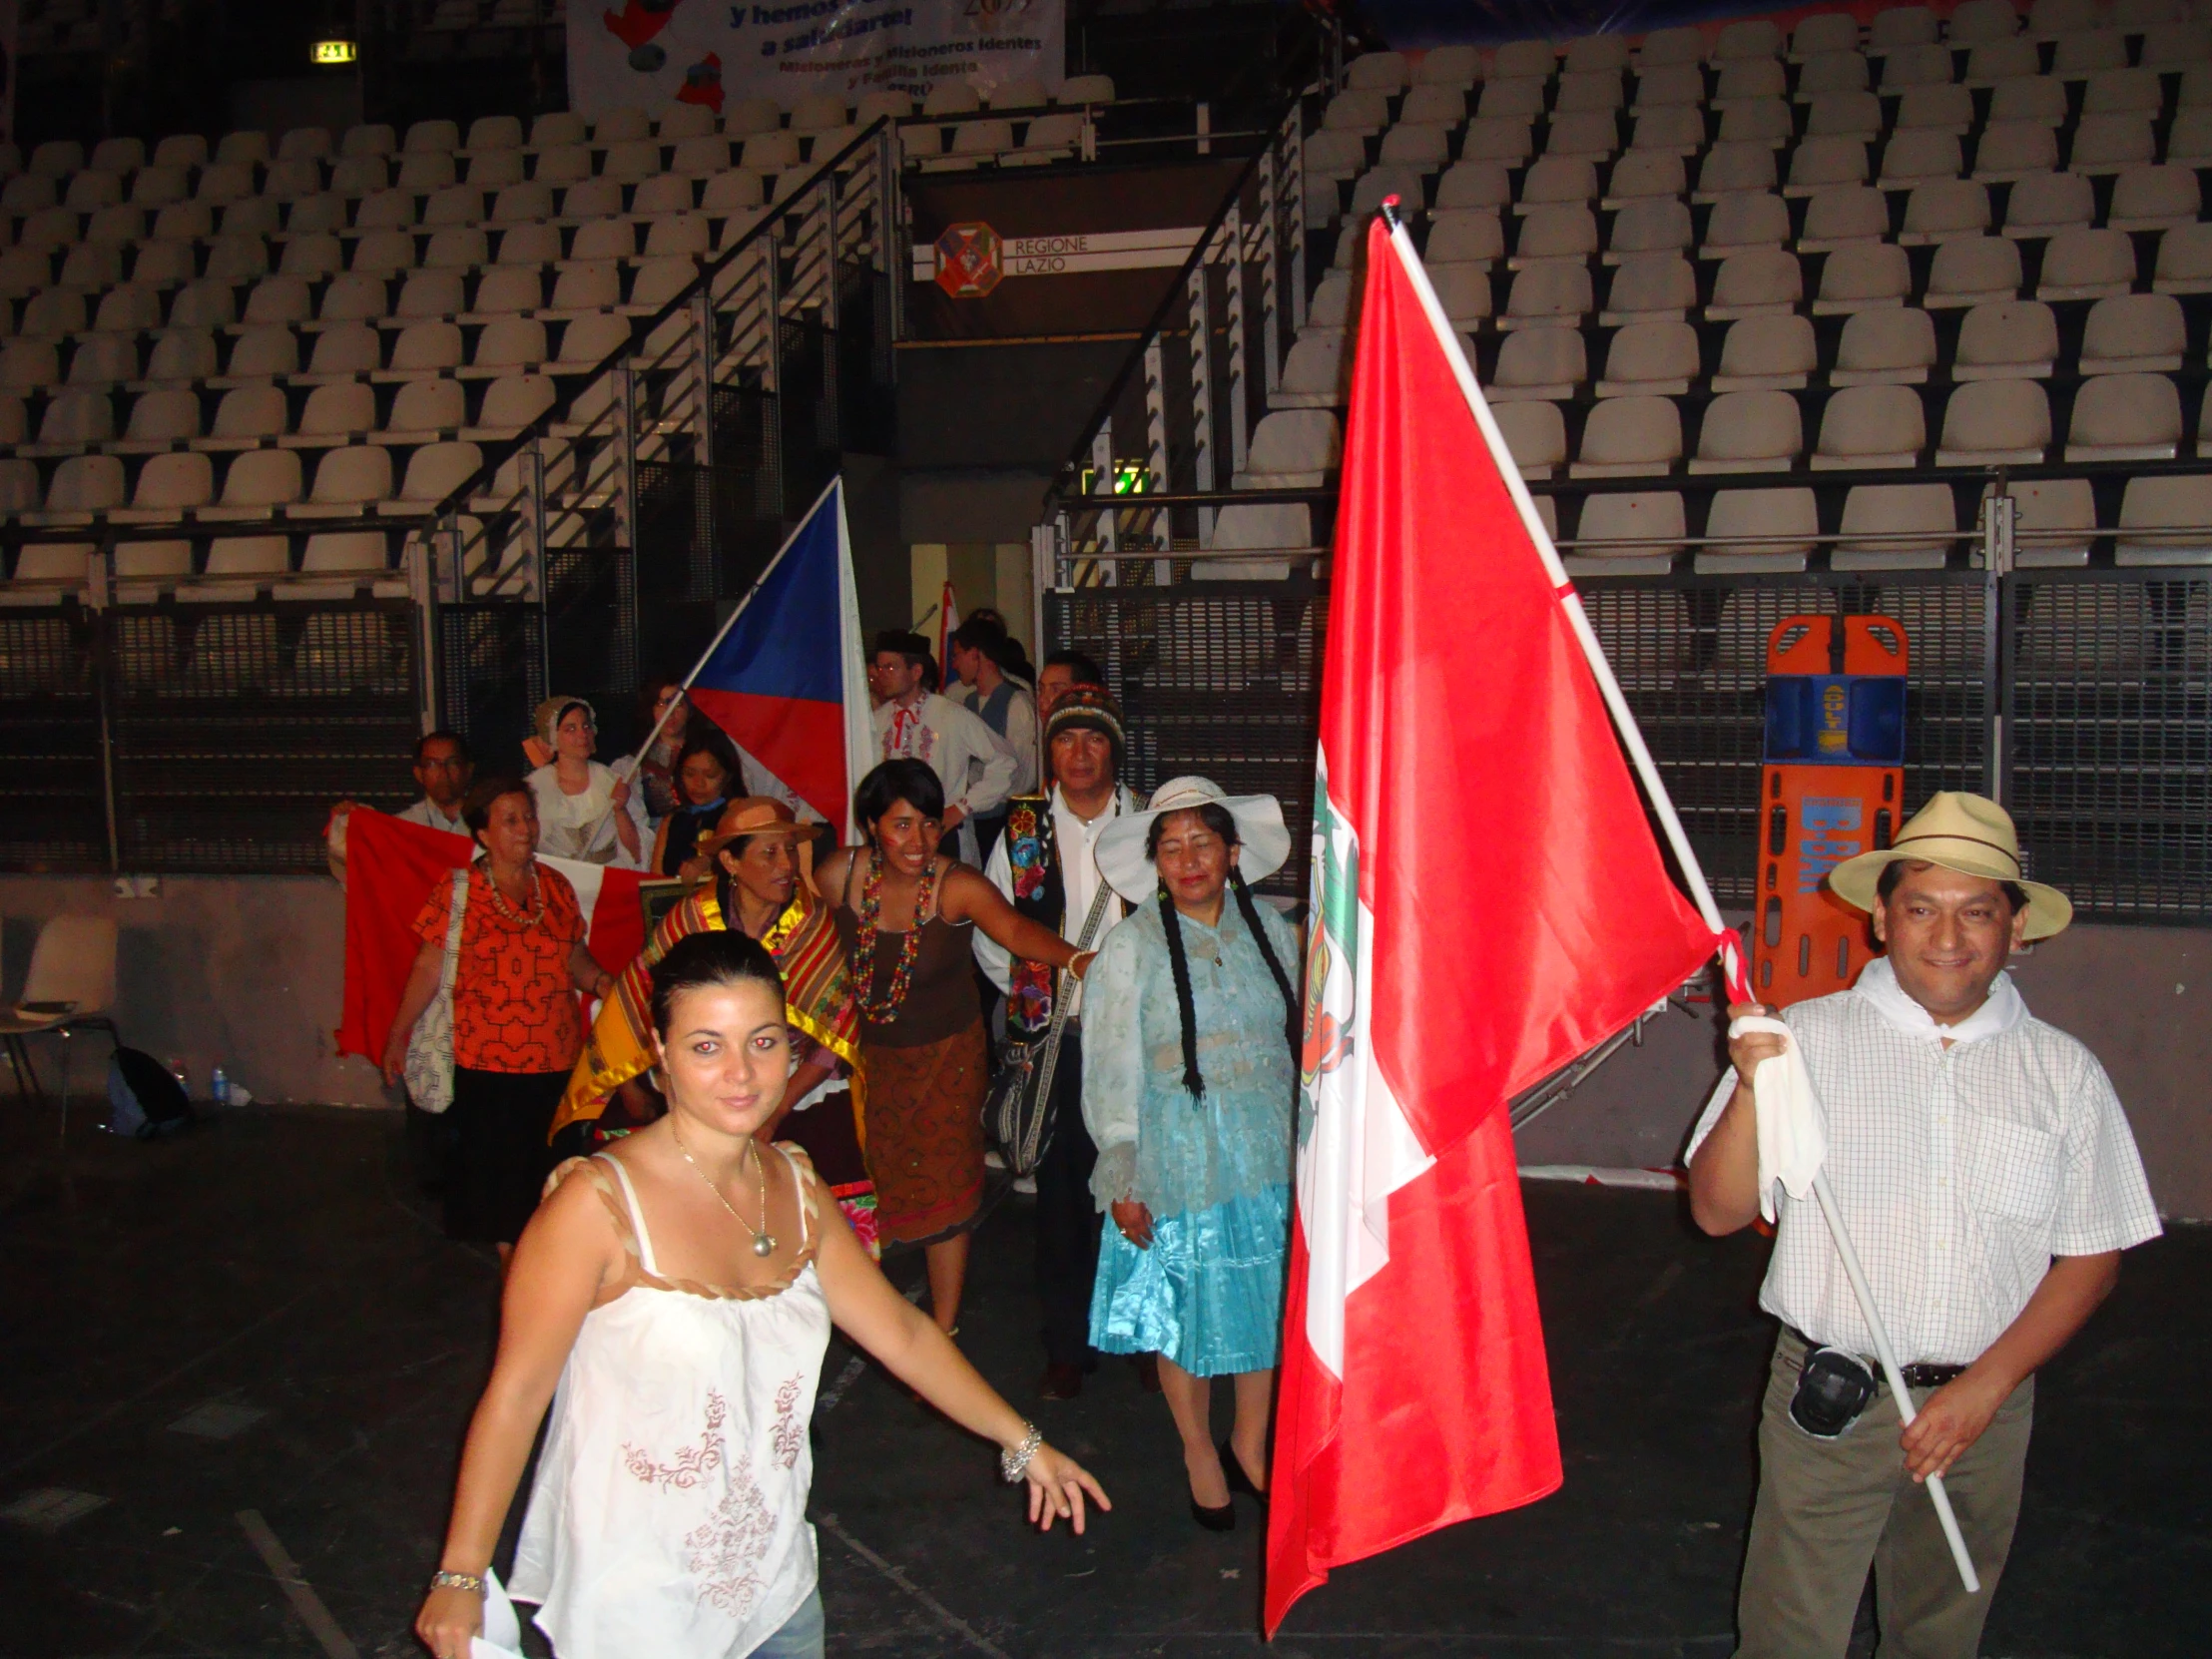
(904, 911)
(516, 1026)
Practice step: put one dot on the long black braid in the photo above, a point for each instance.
(1179, 965)
(1218, 819)
(1251, 913)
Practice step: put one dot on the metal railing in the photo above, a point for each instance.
(1197, 382)
(200, 736)
(2081, 697)
(661, 482)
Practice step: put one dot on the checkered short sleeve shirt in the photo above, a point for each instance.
(1959, 1172)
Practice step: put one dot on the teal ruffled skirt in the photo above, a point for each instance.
(1208, 1293)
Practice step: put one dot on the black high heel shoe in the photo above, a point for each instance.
(1233, 1470)
(1223, 1519)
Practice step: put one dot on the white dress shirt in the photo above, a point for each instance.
(431, 815)
(1959, 1172)
(1021, 737)
(949, 738)
(1075, 841)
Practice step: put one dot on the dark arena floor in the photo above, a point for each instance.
(237, 1368)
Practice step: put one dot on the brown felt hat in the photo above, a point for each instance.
(762, 814)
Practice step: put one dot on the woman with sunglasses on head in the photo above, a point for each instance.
(672, 1300)
(1190, 1089)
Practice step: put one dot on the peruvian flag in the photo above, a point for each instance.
(390, 867)
(1487, 903)
(785, 676)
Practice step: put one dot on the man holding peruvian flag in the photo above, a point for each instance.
(1487, 903)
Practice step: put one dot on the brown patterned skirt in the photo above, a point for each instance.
(925, 1135)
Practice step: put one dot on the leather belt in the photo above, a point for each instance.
(1916, 1376)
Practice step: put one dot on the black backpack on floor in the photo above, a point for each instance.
(143, 1100)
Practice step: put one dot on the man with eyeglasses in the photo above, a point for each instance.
(442, 769)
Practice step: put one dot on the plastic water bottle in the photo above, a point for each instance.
(219, 1087)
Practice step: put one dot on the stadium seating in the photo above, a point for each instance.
(276, 328)
(1923, 244)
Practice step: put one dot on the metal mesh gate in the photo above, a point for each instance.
(50, 744)
(2105, 736)
(2108, 709)
(1692, 659)
(236, 727)
(1218, 678)
(216, 736)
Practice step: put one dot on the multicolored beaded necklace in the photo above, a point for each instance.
(885, 1012)
(534, 912)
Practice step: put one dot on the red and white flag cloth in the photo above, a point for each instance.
(390, 867)
(1488, 902)
(948, 618)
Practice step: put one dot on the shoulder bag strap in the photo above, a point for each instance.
(457, 911)
(1049, 1063)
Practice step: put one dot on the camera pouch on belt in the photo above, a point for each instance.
(1832, 1388)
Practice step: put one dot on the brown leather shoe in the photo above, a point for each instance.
(1147, 1367)
(1061, 1381)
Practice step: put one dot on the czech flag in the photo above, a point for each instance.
(787, 677)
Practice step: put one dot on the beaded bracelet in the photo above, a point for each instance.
(444, 1580)
(1013, 1463)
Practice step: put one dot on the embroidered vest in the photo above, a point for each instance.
(1033, 855)
(1039, 894)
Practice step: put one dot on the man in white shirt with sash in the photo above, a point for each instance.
(1046, 863)
(1986, 1175)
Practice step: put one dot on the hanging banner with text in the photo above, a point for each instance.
(1054, 251)
(652, 53)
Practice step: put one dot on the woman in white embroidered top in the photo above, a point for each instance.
(586, 810)
(680, 1287)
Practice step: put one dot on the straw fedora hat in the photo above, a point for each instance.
(1265, 842)
(1969, 833)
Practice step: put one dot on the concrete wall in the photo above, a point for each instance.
(247, 971)
(2141, 997)
(241, 971)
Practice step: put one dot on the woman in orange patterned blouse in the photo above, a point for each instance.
(516, 1027)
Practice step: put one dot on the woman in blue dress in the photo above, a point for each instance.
(1190, 1092)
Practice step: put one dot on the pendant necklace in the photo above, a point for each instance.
(763, 1244)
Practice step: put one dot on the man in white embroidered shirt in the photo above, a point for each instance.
(1988, 1180)
(915, 723)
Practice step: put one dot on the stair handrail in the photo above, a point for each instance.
(1176, 293)
(498, 454)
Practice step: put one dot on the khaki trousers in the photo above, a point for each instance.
(1829, 1509)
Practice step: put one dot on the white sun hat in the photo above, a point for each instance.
(1264, 843)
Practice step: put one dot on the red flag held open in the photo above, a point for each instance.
(1488, 903)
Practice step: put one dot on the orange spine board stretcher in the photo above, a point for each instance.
(1833, 787)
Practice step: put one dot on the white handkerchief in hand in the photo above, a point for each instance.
(502, 1638)
(1792, 1130)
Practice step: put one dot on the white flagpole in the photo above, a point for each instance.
(713, 645)
(1655, 791)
